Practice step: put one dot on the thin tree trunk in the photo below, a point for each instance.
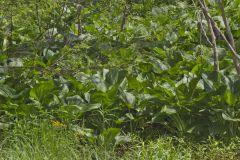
(213, 41)
(38, 17)
(236, 57)
(124, 18)
(79, 19)
(10, 38)
(229, 34)
(214, 47)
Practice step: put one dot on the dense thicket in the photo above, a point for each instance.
(138, 65)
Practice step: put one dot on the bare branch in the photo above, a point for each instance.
(213, 40)
(236, 57)
(229, 34)
(205, 34)
(79, 10)
(214, 47)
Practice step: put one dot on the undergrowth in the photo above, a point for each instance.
(45, 140)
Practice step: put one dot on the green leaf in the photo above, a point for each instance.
(6, 91)
(122, 139)
(161, 52)
(168, 110)
(42, 90)
(145, 67)
(109, 136)
(76, 111)
(112, 77)
(74, 100)
(134, 84)
(89, 107)
(229, 118)
(229, 97)
(4, 125)
(208, 84)
(128, 98)
(99, 82)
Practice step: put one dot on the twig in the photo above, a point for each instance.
(205, 34)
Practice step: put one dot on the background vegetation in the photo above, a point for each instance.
(83, 76)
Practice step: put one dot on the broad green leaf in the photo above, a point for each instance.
(128, 98)
(4, 126)
(109, 136)
(208, 84)
(112, 77)
(122, 139)
(74, 100)
(168, 110)
(76, 111)
(229, 97)
(6, 91)
(42, 90)
(229, 118)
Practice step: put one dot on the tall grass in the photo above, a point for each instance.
(43, 141)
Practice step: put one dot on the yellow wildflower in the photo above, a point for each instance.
(58, 124)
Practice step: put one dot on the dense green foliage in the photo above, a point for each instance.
(113, 67)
